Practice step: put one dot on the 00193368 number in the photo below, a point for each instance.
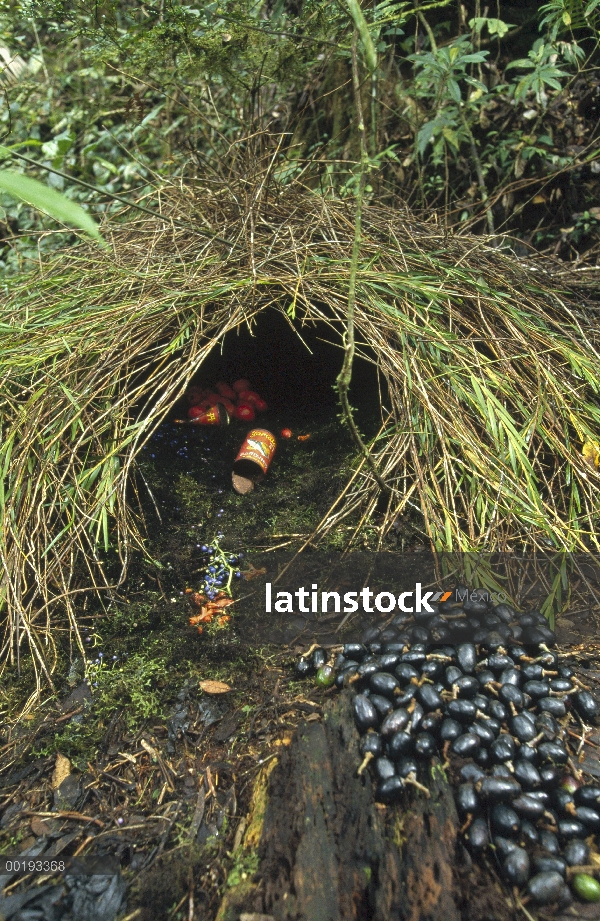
(34, 866)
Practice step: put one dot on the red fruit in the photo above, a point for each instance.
(245, 412)
(249, 396)
(241, 385)
(260, 406)
(286, 433)
(226, 391)
(206, 404)
(194, 412)
(194, 395)
(212, 398)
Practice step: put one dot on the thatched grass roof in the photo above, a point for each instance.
(492, 367)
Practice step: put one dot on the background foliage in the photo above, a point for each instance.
(487, 115)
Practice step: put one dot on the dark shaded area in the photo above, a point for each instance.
(293, 367)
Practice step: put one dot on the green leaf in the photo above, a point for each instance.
(49, 201)
(451, 137)
(425, 135)
(522, 62)
(454, 90)
(495, 26)
(477, 57)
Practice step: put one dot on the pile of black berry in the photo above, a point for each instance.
(503, 713)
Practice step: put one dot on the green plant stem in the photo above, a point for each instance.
(427, 27)
(373, 125)
(479, 171)
(362, 28)
(374, 114)
(345, 376)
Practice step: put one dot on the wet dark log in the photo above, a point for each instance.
(327, 852)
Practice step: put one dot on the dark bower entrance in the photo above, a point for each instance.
(294, 369)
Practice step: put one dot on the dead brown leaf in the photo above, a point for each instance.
(214, 687)
(62, 769)
(221, 601)
(253, 573)
(39, 827)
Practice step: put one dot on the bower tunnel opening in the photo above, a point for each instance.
(294, 368)
(191, 469)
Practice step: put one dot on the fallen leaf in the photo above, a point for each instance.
(253, 573)
(62, 769)
(591, 453)
(303, 437)
(39, 827)
(223, 619)
(222, 602)
(214, 687)
(198, 599)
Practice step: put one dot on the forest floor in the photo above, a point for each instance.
(140, 763)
